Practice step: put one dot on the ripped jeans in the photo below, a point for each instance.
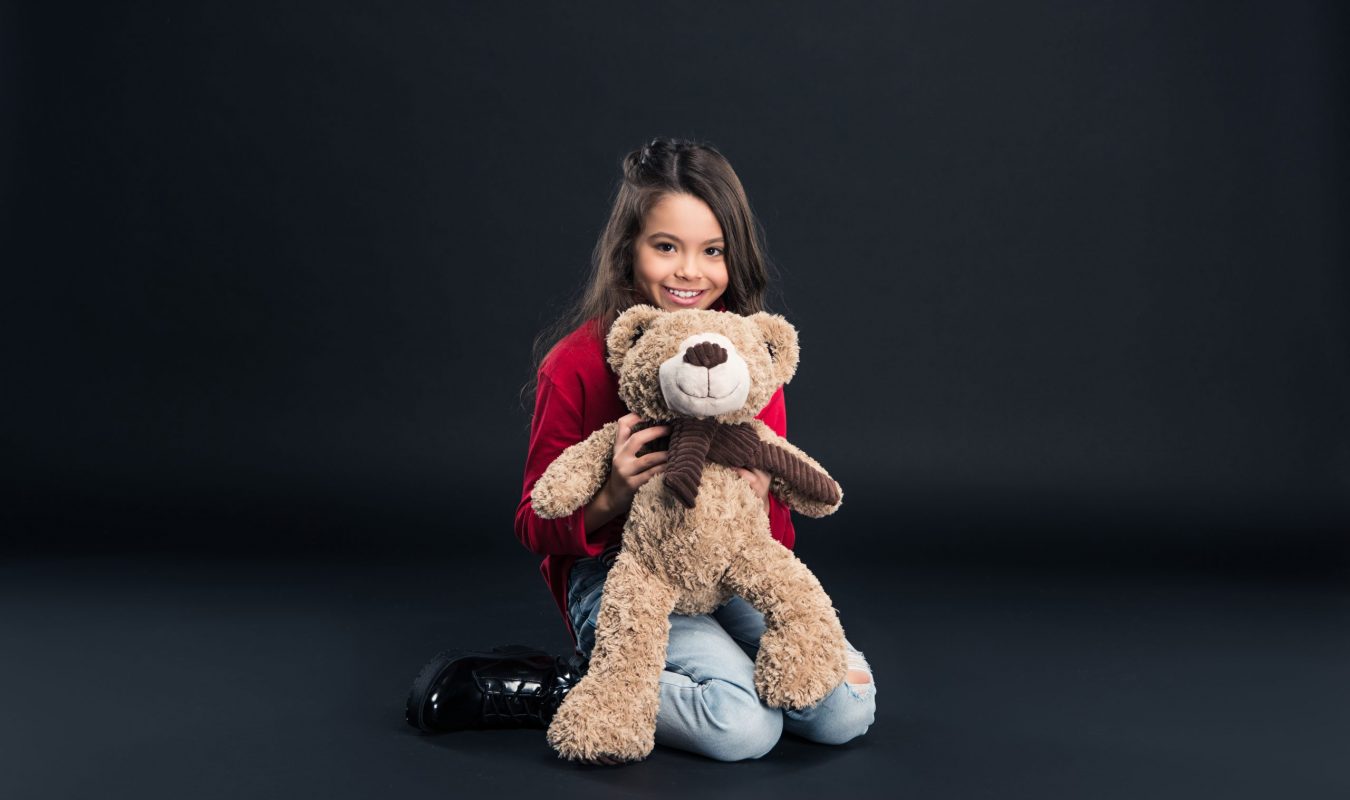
(708, 701)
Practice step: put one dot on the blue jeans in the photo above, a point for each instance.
(708, 701)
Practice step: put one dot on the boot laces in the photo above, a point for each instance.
(526, 700)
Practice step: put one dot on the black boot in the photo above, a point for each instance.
(513, 686)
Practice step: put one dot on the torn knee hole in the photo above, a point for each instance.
(858, 678)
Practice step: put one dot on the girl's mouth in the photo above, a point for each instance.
(683, 298)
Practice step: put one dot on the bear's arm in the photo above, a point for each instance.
(576, 475)
(793, 494)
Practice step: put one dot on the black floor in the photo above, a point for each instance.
(219, 677)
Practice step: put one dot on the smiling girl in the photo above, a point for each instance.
(680, 235)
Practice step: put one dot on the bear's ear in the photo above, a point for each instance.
(626, 330)
(780, 338)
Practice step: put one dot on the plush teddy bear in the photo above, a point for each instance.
(697, 534)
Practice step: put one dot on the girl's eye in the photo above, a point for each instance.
(712, 251)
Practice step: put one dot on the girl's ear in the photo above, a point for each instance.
(626, 330)
(780, 338)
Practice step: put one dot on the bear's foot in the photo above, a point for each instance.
(796, 671)
(595, 729)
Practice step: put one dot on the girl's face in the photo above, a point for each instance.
(680, 247)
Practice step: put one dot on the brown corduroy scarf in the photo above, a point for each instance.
(695, 442)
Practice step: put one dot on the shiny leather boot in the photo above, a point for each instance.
(513, 686)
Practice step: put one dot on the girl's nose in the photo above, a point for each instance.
(688, 269)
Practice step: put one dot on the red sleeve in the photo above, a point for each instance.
(556, 425)
(780, 516)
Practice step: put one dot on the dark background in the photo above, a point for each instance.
(1070, 279)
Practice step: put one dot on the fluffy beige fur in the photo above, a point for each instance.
(690, 561)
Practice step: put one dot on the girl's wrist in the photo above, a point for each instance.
(604, 499)
(602, 508)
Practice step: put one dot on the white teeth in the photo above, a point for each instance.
(684, 295)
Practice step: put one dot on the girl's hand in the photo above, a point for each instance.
(759, 480)
(628, 473)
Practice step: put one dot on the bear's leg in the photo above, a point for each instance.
(610, 715)
(802, 656)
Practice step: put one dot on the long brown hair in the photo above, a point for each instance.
(664, 166)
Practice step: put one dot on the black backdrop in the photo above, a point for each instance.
(1070, 278)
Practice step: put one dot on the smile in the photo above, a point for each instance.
(681, 294)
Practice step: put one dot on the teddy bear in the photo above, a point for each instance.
(697, 534)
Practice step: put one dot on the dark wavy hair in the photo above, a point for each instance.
(660, 167)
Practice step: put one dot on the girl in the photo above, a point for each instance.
(680, 235)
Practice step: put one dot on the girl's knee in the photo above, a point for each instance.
(748, 737)
(741, 727)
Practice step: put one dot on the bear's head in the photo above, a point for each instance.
(700, 364)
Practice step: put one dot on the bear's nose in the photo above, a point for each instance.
(706, 354)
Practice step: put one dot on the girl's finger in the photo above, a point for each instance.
(643, 477)
(650, 460)
(647, 434)
(636, 441)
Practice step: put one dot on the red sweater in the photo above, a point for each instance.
(578, 394)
